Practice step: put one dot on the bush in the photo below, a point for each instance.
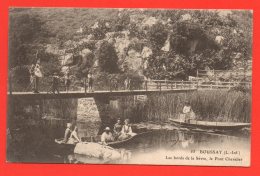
(241, 88)
(107, 58)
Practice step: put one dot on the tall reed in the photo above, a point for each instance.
(211, 105)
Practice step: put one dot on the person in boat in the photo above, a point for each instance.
(117, 129)
(107, 136)
(67, 133)
(73, 139)
(188, 112)
(126, 131)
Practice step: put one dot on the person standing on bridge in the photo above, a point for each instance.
(127, 83)
(67, 80)
(32, 76)
(90, 82)
(55, 83)
(37, 76)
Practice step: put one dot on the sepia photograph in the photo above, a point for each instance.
(129, 86)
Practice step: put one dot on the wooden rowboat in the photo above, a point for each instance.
(97, 139)
(207, 125)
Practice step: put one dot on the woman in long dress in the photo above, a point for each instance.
(126, 131)
(74, 136)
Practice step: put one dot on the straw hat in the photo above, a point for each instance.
(69, 125)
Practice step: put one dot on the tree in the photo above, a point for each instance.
(157, 35)
(107, 58)
(98, 34)
(122, 22)
(135, 31)
(26, 36)
(23, 30)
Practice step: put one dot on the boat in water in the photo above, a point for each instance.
(207, 125)
(91, 148)
(115, 144)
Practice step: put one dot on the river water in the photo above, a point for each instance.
(178, 147)
(156, 145)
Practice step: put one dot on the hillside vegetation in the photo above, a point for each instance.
(157, 44)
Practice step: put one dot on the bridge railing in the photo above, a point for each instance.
(199, 84)
(81, 85)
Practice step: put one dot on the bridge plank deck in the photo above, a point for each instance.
(80, 94)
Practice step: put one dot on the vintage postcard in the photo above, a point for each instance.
(129, 86)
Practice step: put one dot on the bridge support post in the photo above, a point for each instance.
(102, 103)
(85, 85)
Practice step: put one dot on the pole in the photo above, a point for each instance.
(214, 75)
(110, 87)
(10, 85)
(85, 85)
(197, 79)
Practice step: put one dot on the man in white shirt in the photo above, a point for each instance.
(107, 136)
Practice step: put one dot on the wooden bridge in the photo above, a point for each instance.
(148, 87)
(82, 94)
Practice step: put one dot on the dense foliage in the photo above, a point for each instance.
(107, 58)
(196, 39)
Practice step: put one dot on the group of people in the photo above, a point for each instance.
(120, 132)
(36, 74)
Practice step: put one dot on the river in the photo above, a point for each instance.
(162, 146)
(157, 145)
